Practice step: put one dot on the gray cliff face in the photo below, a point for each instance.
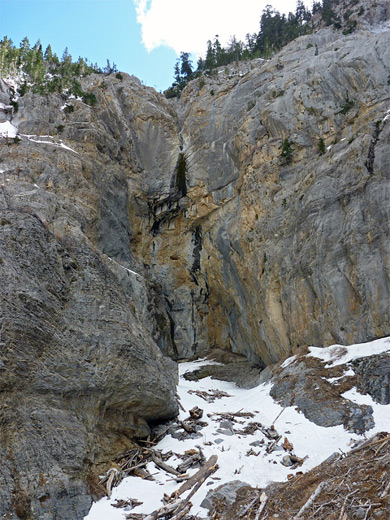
(81, 375)
(282, 255)
(143, 228)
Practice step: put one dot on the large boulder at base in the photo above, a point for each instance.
(80, 377)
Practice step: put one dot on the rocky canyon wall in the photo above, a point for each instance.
(141, 228)
(261, 255)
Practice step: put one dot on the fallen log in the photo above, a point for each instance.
(113, 473)
(249, 507)
(183, 513)
(371, 442)
(205, 471)
(132, 468)
(311, 500)
(232, 415)
(187, 427)
(263, 503)
(164, 465)
(196, 413)
(177, 507)
(164, 511)
(145, 475)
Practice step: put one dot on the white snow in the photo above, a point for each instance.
(13, 82)
(8, 130)
(288, 361)
(348, 372)
(5, 107)
(62, 145)
(387, 116)
(123, 267)
(48, 139)
(340, 354)
(315, 442)
(381, 411)
(381, 28)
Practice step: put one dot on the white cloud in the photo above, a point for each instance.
(186, 25)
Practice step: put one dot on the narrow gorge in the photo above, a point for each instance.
(141, 231)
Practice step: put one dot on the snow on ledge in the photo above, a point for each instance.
(288, 361)
(48, 139)
(6, 108)
(8, 130)
(340, 354)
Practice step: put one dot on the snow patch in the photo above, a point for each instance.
(8, 130)
(288, 361)
(348, 373)
(5, 108)
(48, 139)
(387, 116)
(340, 354)
(238, 459)
(123, 267)
(381, 411)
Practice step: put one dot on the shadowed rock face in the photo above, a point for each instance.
(81, 375)
(176, 227)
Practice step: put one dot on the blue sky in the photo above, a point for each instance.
(142, 37)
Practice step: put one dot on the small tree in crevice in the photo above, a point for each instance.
(321, 146)
(287, 151)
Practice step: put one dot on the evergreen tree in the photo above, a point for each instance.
(287, 151)
(37, 66)
(24, 48)
(209, 62)
(300, 11)
(48, 54)
(250, 43)
(66, 57)
(186, 67)
(219, 53)
(276, 31)
(316, 7)
(328, 14)
(200, 64)
(321, 146)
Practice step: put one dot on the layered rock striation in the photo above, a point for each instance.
(81, 375)
(140, 228)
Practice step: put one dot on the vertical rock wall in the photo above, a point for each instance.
(144, 227)
(262, 256)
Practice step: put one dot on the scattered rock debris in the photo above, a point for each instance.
(209, 396)
(130, 503)
(343, 487)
